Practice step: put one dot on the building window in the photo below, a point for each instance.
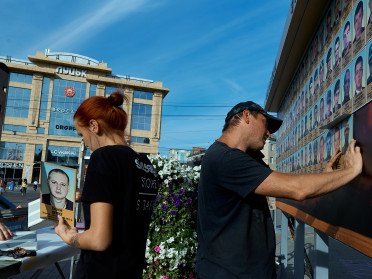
(143, 95)
(111, 89)
(141, 117)
(140, 140)
(44, 98)
(67, 156)
(17, 77)
(64, 106)
(40, 131)
(93, 90)
(12, 151)
(38, 152)
(18, 101)
(14, 128)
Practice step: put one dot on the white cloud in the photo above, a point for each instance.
(90, 23)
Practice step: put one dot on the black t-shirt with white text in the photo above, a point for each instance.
(119, 176)
(236, 237)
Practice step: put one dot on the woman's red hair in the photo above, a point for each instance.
(105, 110)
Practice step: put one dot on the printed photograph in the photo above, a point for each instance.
(58, 187)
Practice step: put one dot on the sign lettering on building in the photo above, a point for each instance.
(65, 127)
(71, 71)
(63, 110)
(11, 165)
(63, 153)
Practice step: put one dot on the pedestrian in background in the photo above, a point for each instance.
(24, 187)
(11, 185)
(35, 185)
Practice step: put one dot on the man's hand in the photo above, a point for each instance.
(68, 234)
(5, 233)
(331, 165)
(353, 158)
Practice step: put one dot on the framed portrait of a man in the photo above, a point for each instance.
(328, 25)
(369, 19)
(336, 56)
(328, 102)
(336, 145)
(58, 187)
(347, 32)
(322, 110)
(316, 153)
(347, 90)
(316, 84)
(322, 83)
(329, 66)
(359, 81)
(359, 26)
(336, 99)
(316, 114)
(369, 70)
(346, 133)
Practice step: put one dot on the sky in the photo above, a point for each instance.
(210, 54)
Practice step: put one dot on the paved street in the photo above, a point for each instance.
(344, 262)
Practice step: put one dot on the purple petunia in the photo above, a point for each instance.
(189, 201)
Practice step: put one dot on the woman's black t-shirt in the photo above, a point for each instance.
(127, 180)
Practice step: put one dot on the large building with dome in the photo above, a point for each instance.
(43, 94)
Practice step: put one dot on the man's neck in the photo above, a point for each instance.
(233, 140)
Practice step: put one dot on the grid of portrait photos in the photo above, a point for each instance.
(333, 80)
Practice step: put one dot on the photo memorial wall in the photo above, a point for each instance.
(326, 105)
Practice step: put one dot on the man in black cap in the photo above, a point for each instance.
(236, 237)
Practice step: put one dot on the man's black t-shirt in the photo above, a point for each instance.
(127, 180)
(236, 237)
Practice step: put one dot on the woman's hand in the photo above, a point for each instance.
(5, 233)
(68, 234)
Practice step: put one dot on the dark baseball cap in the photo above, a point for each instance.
(273, 123)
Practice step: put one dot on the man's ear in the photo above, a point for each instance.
(94, 126)
(246, 116)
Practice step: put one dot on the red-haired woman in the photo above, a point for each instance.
(119, 190)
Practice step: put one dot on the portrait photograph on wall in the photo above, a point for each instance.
(329, 66)
(336, 99)
(57, 197)
(359, 27)
(346, 41)
(369, 69)
(336, 5)
(369, 19)
(359, 81)
(346, 133)
(337, 56)
(328, 105)
(347, 91)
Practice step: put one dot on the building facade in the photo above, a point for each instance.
(269, 151)
(43, 95)
(180, 155)
(321, 86)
